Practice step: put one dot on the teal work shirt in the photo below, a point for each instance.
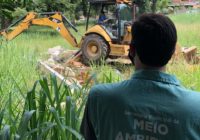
(150, 106)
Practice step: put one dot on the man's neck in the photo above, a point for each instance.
(140, 66)
(162, 69)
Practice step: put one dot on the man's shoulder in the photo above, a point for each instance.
(191, 95)
(189, 100)
(109, 88)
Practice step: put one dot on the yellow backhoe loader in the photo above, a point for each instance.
(100, 41)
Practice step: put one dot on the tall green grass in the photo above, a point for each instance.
(50, 110)
(189, 75)
(17, 73)
(188, 25)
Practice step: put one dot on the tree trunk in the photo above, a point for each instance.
(5, 22)
(153, 8)
(2, 22)
(84, 4)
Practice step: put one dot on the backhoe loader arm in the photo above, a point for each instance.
(54, 20)
(24, 24)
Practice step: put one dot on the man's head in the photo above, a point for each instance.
(154, 39)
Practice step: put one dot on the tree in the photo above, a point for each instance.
(11, 9)
(6, 9)
(141, 5)
(162, 5)
(146, 6)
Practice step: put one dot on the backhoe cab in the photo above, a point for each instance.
(109, 38)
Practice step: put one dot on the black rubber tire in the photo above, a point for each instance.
(101, 49)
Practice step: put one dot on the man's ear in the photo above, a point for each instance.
(132, 54)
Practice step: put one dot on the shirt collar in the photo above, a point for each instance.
(156, 76)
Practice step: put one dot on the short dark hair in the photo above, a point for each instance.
(154, 38)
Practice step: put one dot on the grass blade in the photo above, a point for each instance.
(56, 93)
(68, 114)
(59, 124)
(74, 132)
(23, 126)
(73, 118)
(45, 88)
(32, 106)
(1, 117)
(42, 109)
(45, 131)
(5, 134)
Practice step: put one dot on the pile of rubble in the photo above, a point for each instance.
(65, 64)
(191, 55)
(188, 54)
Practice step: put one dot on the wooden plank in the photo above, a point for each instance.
(190, 54)
(58, 75)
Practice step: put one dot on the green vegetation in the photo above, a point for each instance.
(49, 111)
(189, 75)
(12, 9)
(29, 111)
(188, 35)
(188, 26)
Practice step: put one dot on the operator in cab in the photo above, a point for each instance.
(102, 18)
